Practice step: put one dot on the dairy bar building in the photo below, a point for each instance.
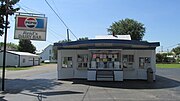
(106, 58)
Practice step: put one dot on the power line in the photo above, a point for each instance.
(30, 9)
(56, 33)
(171, 46)
(60, 18)
(50, 28)
(22, 8)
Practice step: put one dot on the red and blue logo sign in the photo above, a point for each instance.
(30, 22)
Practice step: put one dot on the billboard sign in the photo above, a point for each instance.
(30, 27)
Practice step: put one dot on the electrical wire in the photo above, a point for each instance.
(22, 8)
(60, 19)
(49, 28)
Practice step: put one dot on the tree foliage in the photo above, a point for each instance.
(11, 45)
(26, 46)
(128, 27)
(176, 50)
(83, 38)
(6, 10)
(63, 41)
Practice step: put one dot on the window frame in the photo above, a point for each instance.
(68, 60)
(146, 61)
(127, 60)
(82, 61)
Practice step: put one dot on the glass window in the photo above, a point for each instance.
(144, 62)
(82, 60)
(67, 62)
(105, 59)
(49, 51)
(49, 57)
(128, 61)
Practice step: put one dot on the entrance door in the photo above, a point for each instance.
(67, 70)
(144, 63)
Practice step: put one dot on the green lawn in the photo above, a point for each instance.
(168, 65)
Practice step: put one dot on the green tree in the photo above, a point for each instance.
(128, 27)
(25, 45)
(6, 10)
(176, 50)
(85, 38)
(55, 48)
(11, 45)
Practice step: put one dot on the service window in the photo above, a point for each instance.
(82, 60)
(128, 61)
(105, 59)
(67, 62)
(144, 62)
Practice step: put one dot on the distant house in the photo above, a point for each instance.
(19, 59)
(48, 54)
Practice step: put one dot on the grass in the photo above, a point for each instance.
(168, 65)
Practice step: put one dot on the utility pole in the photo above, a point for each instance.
(5, 40)
(68, 35)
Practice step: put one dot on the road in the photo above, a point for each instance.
(41, 84)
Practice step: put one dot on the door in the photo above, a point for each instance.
(144, 64)
(67, 70)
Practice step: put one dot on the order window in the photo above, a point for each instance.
(105, 60)
(67, 62)
(128, 61)
(144, 62)
(82, 60)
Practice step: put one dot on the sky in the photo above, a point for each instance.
(88, 18)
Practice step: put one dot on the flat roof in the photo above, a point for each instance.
(107, 43)
(22, 53)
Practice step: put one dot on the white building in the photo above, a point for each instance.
(106, 59)
(19, 59)
(48, 54)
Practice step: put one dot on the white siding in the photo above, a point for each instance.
(11, 59)
(132, 73)
(29, 61)
(137, 73)
(74, 72)
(46, 54)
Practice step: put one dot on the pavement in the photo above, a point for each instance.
(41, 84)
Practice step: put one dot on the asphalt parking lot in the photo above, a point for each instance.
(41, 84)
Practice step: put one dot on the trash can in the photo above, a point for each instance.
(149, 75)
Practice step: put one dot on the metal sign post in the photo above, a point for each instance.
(4, 53)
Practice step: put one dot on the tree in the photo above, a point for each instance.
(176, 50)
(10, 45)
(55, 48)
(25, 45)
(6, 10)
(128, 27)
(85, 38)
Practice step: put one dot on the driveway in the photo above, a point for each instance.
(41, 84)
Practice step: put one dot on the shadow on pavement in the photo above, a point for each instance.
(2, 98)
(59, 93)
(14, 86)
(160, 83)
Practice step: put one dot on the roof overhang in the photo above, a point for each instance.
(107, 44)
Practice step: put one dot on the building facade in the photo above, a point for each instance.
(19, 59)
(106, 59)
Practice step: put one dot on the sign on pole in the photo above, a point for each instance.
(30, 27)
